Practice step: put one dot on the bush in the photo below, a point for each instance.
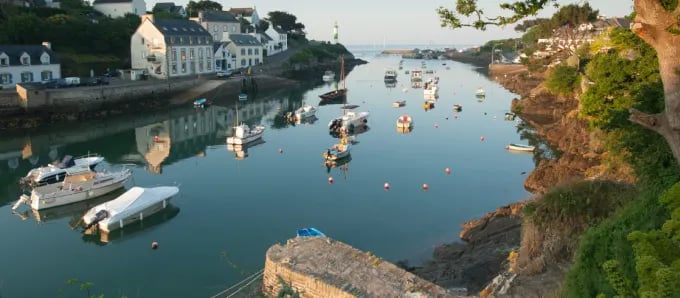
(563, 80)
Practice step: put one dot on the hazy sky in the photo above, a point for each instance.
(378, 22)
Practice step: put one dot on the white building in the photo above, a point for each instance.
(119, 8)
(246, 49)
(247, 13)
(280, 39)
(27, 63)
(218, 23)
(224, 60)
(171, 48)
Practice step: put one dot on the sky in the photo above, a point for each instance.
(395, 22)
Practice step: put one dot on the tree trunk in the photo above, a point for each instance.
(661, 29)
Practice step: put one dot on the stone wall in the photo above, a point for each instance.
(8, 101)
(307, 286)
(89, 98)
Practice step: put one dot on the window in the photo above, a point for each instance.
(243, 62)
(25, 60)
(174, 68)
(45, 75)
(174, 55)
(233, 29)
(200, 66)
(184, 56)
(26, 76)
(184, 67)
(207, 52)
(200, 53)
(209, 64)
(45, 58)
(4, 61)
(172, 40)
(191, 54)
(257, 61)
(243, 51)
(181, 39)
(257, 51)
(250, 51)
(6, 78)
(192, 67)
(216, 36)
(215, 28)
(225, 28)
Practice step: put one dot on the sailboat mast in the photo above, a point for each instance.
(342, 70)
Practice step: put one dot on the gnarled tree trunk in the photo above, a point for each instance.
(661, 29)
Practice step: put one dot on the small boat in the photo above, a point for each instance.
(510, 116)
(429, 71)
(339, 94)
(244, 134)
(480, 93)
(405, 121)
(349, 121)
(399, 103)
(243, 97)
(200, 103)
(74, 188)
(416, 75)
(430, 88)
(428, 105)
(407, 71)
(310, 232)
(304, 112)
(132, 206)
(520, 147)
(328, 76)
(57, 172)
(457, 108)
(390, 75)
(338, 151)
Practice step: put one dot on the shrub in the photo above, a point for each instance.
(563, 80)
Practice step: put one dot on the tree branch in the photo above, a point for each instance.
(651, 12)
(649, 121)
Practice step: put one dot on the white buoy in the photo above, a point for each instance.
(448, 171)
(386, 186)
(481, 138)
(425, 186)
(330, 180)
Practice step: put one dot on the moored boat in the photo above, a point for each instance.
(457, 108)
(304, 112)
(390, 75)
(244, 134)
(132, 206)
(338, 151)
(349, 121)
(480, 93)
(57, 172)
(399, 103)
(520, 147)
(339, 94)
(75, 188)
(404, 121)
(510, 116)
(416, 75)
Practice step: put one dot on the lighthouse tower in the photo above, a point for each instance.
(335, 33)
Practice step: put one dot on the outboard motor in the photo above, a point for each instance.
(99, 216)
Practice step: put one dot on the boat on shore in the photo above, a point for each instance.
(244, 134)
(53, 173)
(200, 103)
(310, 232)
(74, 188)
(404, 121)
(520, 147)
(132, 206)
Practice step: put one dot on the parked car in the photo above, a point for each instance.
(95, 81)
(223, 73)
(111, 73)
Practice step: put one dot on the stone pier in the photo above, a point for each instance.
(323, 267)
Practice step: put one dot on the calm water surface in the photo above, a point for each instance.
(231, 209)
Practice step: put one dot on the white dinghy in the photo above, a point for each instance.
(129, 207)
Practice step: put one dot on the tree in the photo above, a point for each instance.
(262, 26)
(245, 25)
(563, 80)
(656, 22)
(286, 21)
(194, 7)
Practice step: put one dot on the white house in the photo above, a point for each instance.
(171, 48)
(246, 49)
(118, 8)
(27, 63)
(280, 39)
(218, 23)
(224, 60)
(247, 13)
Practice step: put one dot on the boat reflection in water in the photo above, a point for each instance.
(352, 134)
(74, 211)
(138, 228)
(390, 84)
(405, 130)
(341, 164)
(241, 151)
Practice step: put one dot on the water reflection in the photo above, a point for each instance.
(138, 228)
(241, 151)
(342, 166)
(390, 84)
(405, 130)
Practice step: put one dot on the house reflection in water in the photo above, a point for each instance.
(175, 139)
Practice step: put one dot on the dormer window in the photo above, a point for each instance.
(4, 61)
(45, 58)
(25, 59)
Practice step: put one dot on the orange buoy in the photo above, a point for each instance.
(425, 186)
(386, 186)
(154, 245)
(481, 138)
(330, 180)
(448, 171)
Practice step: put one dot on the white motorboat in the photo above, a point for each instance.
(349, 121)
(305, 111)
(132, 206)
(244, 134)
(390, 75)
(57, 172)
(328, 76)
(430, 88)
(520, 147)
(480, 93)
(404, 121)
(337, 151)
(74, 188)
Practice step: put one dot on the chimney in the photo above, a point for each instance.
(147, 17)
(225, 36)
(47, 44)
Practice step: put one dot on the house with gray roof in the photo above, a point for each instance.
(279, 41)
(246, 49)
(247, 13)
(219, 23)
(119, 8)
(170, 7)
(27, 63)
(167, 48)
(224, 60)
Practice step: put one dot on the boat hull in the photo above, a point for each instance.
(243, 141)
(44, 201)
(133, 218)
(522, 148)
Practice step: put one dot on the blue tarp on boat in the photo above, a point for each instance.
(307, 232)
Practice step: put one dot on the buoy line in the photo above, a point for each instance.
(260, 272)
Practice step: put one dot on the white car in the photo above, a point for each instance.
(223, 74)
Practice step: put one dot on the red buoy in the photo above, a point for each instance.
(154, 245)
(156, 138)
(436, 125)
(448, 171)
(280, 150)
(386, 186)
(425, 186)
(330, 180)
(481, 138)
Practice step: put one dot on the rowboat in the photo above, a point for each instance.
(520, 147)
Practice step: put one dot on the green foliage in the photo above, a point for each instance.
(318, 53)
(621, 284)
(669, 5)
(286, 21)
(563, 80)
(194, 7)
(573, 15)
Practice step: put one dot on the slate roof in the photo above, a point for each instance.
(217, 45)
(266, 37)
(183, 32)
(15, 51)
(166, 6)
(244, 40)
(246, 11)
(110, 1)
(219, 16)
